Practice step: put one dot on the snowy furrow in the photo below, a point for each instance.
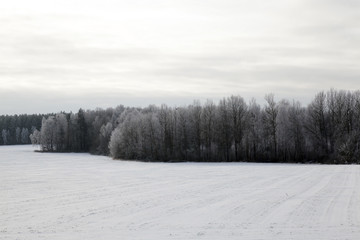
(79, 196)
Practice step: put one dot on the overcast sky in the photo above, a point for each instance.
(65, 54)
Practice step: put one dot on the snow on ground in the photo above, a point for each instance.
(79, 196)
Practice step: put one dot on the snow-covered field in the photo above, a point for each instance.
(79, 196)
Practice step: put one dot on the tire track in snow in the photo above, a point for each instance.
(78, 196)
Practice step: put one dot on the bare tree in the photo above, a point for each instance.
(317, 127)
(254, 141)
(238, 112)
(270, 123)
(208, 116)
(296, 132)
(183, 133)
(195, 133)
(224, 130)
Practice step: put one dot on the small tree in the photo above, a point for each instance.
(5, 136)
(35, 137)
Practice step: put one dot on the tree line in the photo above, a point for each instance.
(326, 131)
(16, 129)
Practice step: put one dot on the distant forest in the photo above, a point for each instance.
(326, 131)
(16, 129)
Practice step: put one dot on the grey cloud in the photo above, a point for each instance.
(50, 48)
(310, 46)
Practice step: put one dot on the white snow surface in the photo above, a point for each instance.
(80, 196)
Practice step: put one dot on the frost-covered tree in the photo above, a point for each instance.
(47, 134)
(82, 131)
(35, 137)
(282, 131)
(327, 130)
(238, 114)
(166, 132)
(53, 136)
(317, 127)
(270, 125)
(104, 136)
(25, 136)
(223, 127)
(208, 116)
(195, 131)
(18, 135)
(183, 133)
(5, 136)
(125, 141)
(115, 144)
(61, 138)
(254, 141)
(150, 131)
(296, 132)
